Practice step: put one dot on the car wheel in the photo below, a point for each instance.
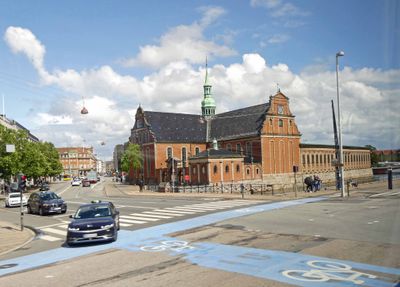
(41, 211)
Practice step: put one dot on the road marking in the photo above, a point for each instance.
(169, 209)
(64, 190)
(132, 221)
(149, 215)
(124, 224)
(173, 211)
(56, 231)
(49, 238)
(193, 209)
(162, 213)
(138, 217)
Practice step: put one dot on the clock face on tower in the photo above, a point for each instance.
(280, 109)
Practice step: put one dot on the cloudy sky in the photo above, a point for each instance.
(111, 56)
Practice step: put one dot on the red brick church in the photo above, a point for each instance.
(259, 143)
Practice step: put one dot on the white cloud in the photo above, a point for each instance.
(183, 43)
(369, 97)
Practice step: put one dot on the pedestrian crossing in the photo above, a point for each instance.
(58, 232)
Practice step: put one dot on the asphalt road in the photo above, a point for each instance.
(308, 242)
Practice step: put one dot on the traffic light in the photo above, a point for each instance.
(22, 183)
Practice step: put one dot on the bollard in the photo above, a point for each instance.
(390, 178)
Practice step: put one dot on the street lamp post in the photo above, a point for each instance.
(341, 162)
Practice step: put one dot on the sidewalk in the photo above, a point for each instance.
(11, 238)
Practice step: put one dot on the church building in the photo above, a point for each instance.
(259, 143)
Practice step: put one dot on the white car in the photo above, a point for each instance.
(14, 199)
(76, 182)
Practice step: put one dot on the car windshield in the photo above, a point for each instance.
(15, 195)
(92, 212)
(49, 196)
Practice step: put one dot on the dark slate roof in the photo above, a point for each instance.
(217, 153)
(174, 127)
(242, 122)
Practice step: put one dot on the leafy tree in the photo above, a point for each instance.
(374, 156)
(132, 158)
(54, 166)
(11, 163)
(34, 162)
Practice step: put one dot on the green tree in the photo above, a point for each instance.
(132, 158)
(11, 163)
(54, 166)
(34, 162)
(374, 156)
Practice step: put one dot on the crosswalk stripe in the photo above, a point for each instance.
(175, 211)
(194, 209)
(162, 213)
(56, 231)
(151, 216)
(139, 217)
(49, 238)
(132, 221)
(124, 224)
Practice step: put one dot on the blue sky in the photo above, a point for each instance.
(115, 55)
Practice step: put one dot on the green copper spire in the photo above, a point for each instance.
(208, 103)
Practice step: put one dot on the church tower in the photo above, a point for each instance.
(208, 102)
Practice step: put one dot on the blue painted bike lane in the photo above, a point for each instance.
(293, 268)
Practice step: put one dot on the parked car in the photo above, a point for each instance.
(45, 202)
(76, 182)
(44, 187)
(85, 183)
(97, 221)
(14, 199)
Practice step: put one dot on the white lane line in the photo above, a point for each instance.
(55, 231)
(152, 216)
(49, 238)
(132, 221)
(61, 192)
(380, 194)
(171, 210)
(394, 193)
(138, 217)
(162, 213)
(124, 224)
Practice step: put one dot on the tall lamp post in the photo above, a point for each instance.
(341, 162)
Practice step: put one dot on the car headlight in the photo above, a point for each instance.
(73, 228)
(107, 226)
(46, 205)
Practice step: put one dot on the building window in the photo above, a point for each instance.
(257, 170)
(169, 152)
(194, 170)
(237, 168)
(184, 155)
(227, 168)
(229, 147)
(215, 169)
(238, 148)
(249, 149)
(280, 122)
(203, 170)
(248, 171)
(197, 150)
